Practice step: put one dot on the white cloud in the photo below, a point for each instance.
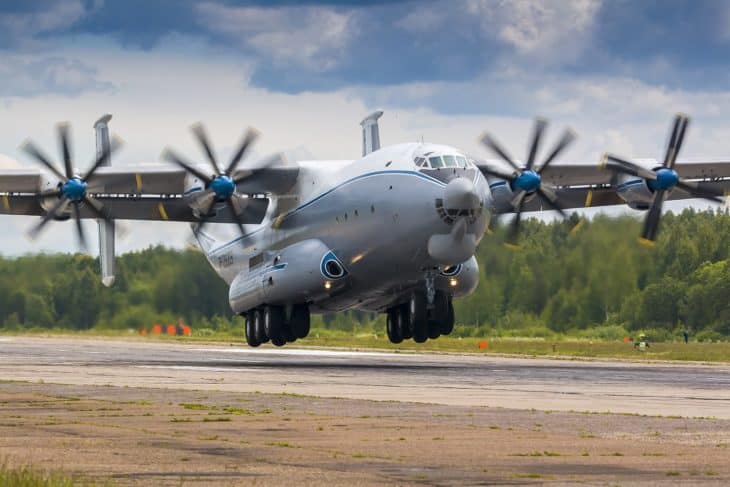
(21, 27)
(314, 38)
(552, 30)
(31, 74)
(422, 20)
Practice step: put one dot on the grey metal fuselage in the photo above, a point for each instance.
(375, 214)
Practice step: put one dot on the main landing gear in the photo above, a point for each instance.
(415, 319)
(270, 323)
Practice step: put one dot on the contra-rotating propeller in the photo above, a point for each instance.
(528, 180)
(72, 188)
(220, 186)
(662, 180)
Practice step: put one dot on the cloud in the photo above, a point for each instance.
(9, 163)
(314, 38)
(30, 75)
(21, 27)
(556, 29)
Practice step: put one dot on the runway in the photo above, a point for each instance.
(446, 379)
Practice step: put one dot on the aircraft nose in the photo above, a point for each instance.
(460, 194)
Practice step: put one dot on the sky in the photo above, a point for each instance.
(305, 73)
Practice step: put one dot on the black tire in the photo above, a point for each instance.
(251, 330)
(403, 321)
(258, 326)
(391, 326)
(300, 320)
(274, 322)
(440, 310)
(418, 317)
(434, 329)
(447, 326)
(278, 341)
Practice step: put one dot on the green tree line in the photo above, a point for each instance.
(596, 281)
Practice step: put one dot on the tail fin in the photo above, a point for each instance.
(371, 132)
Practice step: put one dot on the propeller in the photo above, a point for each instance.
(662, 180)
(220, 185)
(527, 180)
(72, 189)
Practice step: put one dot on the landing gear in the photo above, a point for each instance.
(419, 321)
(270, 323)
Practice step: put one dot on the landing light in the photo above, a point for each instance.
(327, 285)
(453, 282)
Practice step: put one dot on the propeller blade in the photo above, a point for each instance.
(518, 198)
(236, 214)
(248, 139)
(672, 141)
(696, 188)
(63, 140)
(169, 155)
(680, 139)
(496, 173)
(548, 196)
(627, 167)
(49, 193)
(202, 137)
(488, 141)
(272, 160)
(98, 209)
(36, 230)
(32, 150)
(651, 224)
(514, 228)
(114, 145)
(79, 226)
(567, 139)
(537, 132)
(203, 217)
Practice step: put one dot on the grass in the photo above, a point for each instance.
(29, 477)
(564, 347)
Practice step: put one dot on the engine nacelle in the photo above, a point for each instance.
(304, 272)
(49, 183)
(460, 280)
(634, 191)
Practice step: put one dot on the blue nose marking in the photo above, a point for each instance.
(528, 181)
(74, 189)
(665, 179)
(223, 187)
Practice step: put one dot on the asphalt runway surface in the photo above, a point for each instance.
(664, 389)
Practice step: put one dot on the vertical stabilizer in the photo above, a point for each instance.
(371, 132)
(106, 229)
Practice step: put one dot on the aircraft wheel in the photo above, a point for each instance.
(274, 322)
(251, 329)
(278, 341)
(418, 317)
(440, 310)
(434, 329)
(300, 320)
(447, 325)
(403, 321)
(391, 326)
(258, 326)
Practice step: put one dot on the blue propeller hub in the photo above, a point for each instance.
(74, 189)
(223, 187)
(528, 181)
(665, 179)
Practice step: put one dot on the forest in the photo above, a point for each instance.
(594, 281)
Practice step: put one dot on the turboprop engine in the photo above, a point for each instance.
(304, 272)
(460, 280)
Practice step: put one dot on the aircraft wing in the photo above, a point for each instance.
(147, 192)
(581, 185)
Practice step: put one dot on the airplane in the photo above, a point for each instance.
(393, 231)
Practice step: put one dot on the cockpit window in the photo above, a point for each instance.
(436, 162)
(462, 162)
(420, 161)
(449, 161)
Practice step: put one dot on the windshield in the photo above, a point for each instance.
(438, 162)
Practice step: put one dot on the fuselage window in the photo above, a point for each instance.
(462, 162)
(449, 161)
(436, 162)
